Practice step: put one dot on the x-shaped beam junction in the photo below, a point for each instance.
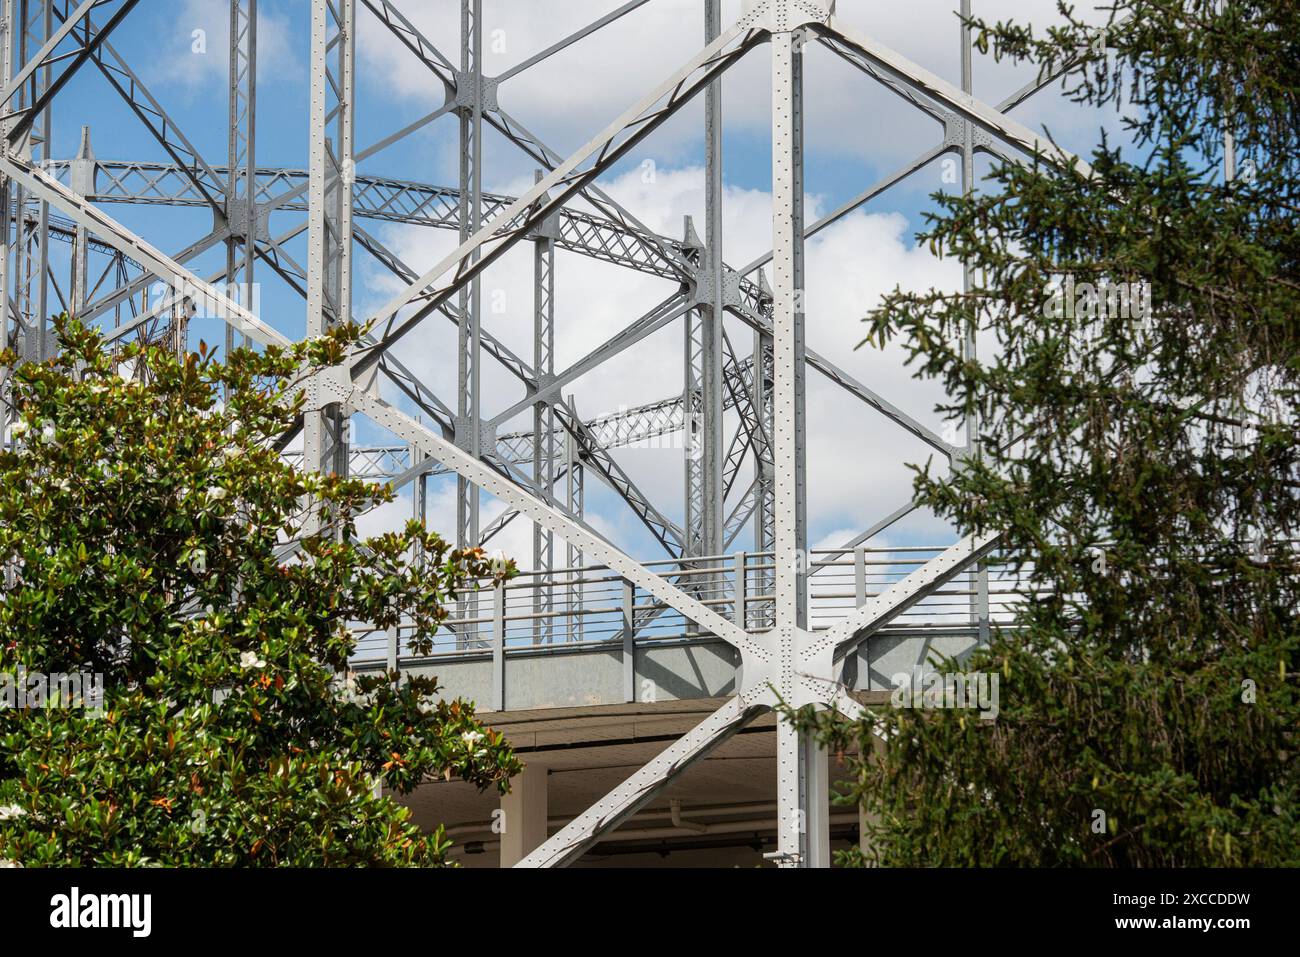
(797, 661)
(789, 663)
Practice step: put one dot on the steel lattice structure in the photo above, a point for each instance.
(744, 487)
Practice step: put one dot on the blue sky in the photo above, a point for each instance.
(856, 132)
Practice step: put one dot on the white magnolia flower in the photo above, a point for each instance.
(18, 429)
(471, 738)
(11, 811)
(216, 494)
(249, 659)
(10, 864)
(47, 433)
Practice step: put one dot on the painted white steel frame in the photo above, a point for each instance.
(787, 663)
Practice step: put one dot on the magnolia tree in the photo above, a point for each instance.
(178, 674)
(1138, 413)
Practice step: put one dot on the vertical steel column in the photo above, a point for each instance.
(703, 385)
(629, 640)
(712, 316)
(802, 797)
(979, 576)
(740, 609)
(468, 420)
(765, 512)
(693, 423)
(241, 163)
(329, 230)
(498, 646)
(31, 258)
(40, 142)
(18, 46)
(82, 182)
(702, 388)
(420, 503)
(471, 218)
(544, 445)
(740, 603)
(574, 495)
(413, 456)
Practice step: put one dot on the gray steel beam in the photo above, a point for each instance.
(42, 56)
(241, 158)
(996, 123)
(489, 344)
(524, 469)
(593, 456)
(572, 38)
(335, 386)
(979, 599)
(573, 840)
(801, 780)
(128, 290)
(469, 332)
(711, 353)
(507, 125)
(161, 125)
(34, 23)
(386, 199)
(25, 116)
(159, 264)
(545, 448)
(329, 227)
(654, 320)
(514, 223)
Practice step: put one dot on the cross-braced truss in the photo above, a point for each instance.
(740, 482)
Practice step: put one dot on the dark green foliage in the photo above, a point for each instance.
(140, 522)
(1144, 468)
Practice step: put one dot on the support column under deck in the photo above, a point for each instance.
(523, 815)
(802, 794)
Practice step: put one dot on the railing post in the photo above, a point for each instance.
(629, 644)
(980, 602)
(498, 641)
(861, 664)
(740, 611)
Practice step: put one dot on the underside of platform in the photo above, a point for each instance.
(721, 812)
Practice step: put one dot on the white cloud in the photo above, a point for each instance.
(201, 35)
(849, 266)
(572, 95)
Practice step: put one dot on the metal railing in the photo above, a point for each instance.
(568, 608)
